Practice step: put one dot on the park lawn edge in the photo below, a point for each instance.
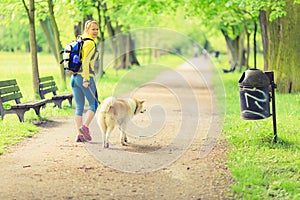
(261, 169)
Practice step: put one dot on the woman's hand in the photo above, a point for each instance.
(86, 84)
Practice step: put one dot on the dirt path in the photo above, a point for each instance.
(169, 154)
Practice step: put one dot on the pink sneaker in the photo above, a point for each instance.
(85, 132)
(80, 138)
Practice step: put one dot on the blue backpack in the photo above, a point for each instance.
(72, 54)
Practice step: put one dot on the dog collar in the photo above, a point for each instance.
(136, 107)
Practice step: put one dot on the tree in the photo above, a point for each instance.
(101, 14)
(48, 32)
(279, 23)
(230, 19)
(57, 39)
(12, 23)
(235, 45)
(120, 38)
(282, 45)
(33, 45)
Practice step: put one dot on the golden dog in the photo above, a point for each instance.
(116, 111)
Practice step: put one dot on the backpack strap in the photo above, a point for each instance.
(95, 52)
(84, 39)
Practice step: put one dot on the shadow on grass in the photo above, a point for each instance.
(44, 122)
(267, 141)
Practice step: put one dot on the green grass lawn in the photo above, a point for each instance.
(260, 168)
(18, 66)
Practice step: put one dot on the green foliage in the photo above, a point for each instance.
(14, 31)
(138, 13)
(253, 7)
(128, 13)
(214, 14)
(13, 27)
(260, 168)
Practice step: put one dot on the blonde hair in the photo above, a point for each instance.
(88, 24)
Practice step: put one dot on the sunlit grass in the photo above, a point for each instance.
(260, 168)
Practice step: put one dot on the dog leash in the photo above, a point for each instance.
(94, 95)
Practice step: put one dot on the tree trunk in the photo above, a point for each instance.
(241, 50)
(48, 31)
(112, 36)
(282, 47)
(78, 29)
(127, 50)
(132, 54)
(100, 71)
(101, 19)
(265, 39)
(33, 46)
(120, 48)
(57, 40)
(248, 49)
(254, 44)
(236, 50)
(120, 44)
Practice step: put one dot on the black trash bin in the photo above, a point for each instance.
(254, 95)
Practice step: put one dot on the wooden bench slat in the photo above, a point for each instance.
(18, 106)
(46, 78)
(8, 83)
(11, 97)
(30, 104)
(47, 85)
(49, 90)
(9, 89)
(62, 96)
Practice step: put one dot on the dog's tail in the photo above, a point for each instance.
(106, 104)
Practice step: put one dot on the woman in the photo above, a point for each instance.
(83, 84)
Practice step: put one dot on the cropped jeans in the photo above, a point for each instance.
(80, 93)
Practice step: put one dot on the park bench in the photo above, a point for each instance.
(47, 85)
(9, 92)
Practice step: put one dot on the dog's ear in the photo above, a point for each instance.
(142, 101)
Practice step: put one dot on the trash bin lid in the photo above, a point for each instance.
(254, 78)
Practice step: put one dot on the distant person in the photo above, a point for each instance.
(83, 84)
(204, 53)
(217, 53)
(178, 51)
(196, 50)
